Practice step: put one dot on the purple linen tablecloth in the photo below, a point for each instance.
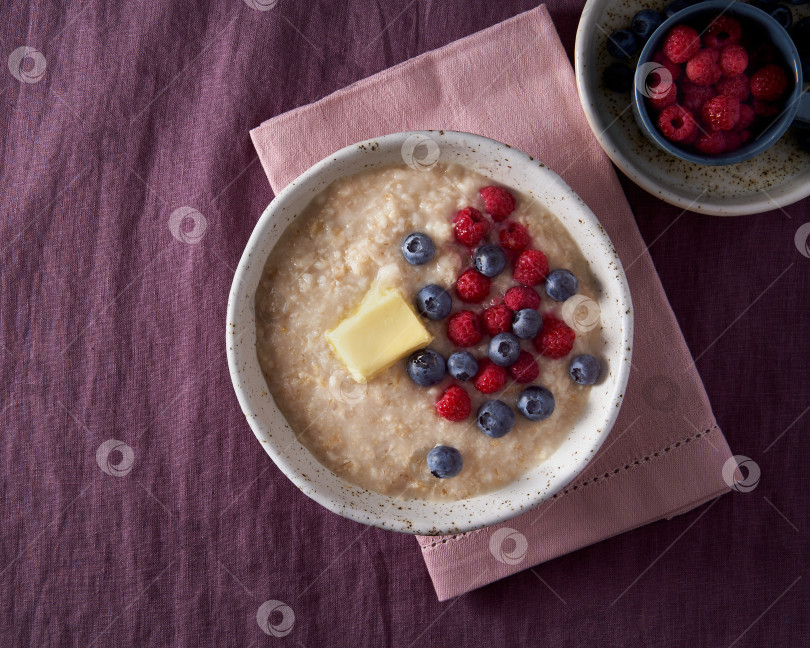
(136, 508)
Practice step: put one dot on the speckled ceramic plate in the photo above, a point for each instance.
(778, 177)
(504, 165)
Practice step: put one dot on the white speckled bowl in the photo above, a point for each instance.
(507, 166)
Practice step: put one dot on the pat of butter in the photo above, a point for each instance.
(384, 329)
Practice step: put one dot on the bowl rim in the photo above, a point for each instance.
(357, 513)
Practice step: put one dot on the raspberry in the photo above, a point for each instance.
(659, 99)
(712, 143)
(673, 68)
(498, 201)
(454, 405)
(497, 319)
(676, 123)
(514, 237)
(733, 60)
(490, 377)
(760, 55)
(531, 267)
(745, 135)
(472, 286)
(470, 226)
(734, 86)
(723, 30)
(681, 44)
(694, 96)
(702, 70)
(733, 141)
(525, 368)
(747, 117)
(765, 109)
(464, 329)
(556, 338)
(520, 297)
(769, 83)
(721, 112)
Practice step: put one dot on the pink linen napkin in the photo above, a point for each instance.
(514, 83)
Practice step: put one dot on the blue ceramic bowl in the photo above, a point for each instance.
(796, 104)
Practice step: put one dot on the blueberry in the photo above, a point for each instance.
(618, 77)
(444, 462)
(462, 365)
(434, 302)
(805, 59)
(801, 35)
(417, 248)
(504, 349)
(535, 403)
(782, 14)
(489, 260)
(495, 418)
(622, 44)
(645, 22)
(527, 323)
(426, 367)
(674, 7)
(798, 2)
(585, 369)
(561, 284)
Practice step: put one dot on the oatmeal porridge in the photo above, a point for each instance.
(412, 327)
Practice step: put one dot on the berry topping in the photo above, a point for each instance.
(426, 367)
(417, 248)
(497, 319)
(525, 368)
(472, 286)
(585, 369)
(733, 86)
(535, 403)
(660, 98)
(520, 297)
(645, 22)
(490, 377)
(514, 237)
(677, 123)
(618, 77)
(561, 285)
(495, 418)
(764, 108)
(556, 338)
(673, 68)
(433, 302)
(454, 405)
(733, 60)
(721, 112)
(711, 143)
(622, 44)
(464, 329)
(531, 267)
(504, 349)
(781, 14)
(498, 201)
(444, 462)
(681, 44)
(470, 226)
(489, 260)
(702, 70)
(723, 30)
(694, 96)
(769, 83)
(527, 323)
(462, 365)
(747, 117)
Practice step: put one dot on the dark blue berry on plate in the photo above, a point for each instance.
(462, 365)
(527, 323)
(674, 7)
(585, 369)
(434, 302)
(444, 461)
(645, 22)
(489, 260)
(798, 2)
(426, 367)
(504, 349)
(781, 14)
(561, 284)
(805, 59)
(618, 77)
(801, 35)
(535, 403)
(417, 248)
(622, 44)
(495, 418)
